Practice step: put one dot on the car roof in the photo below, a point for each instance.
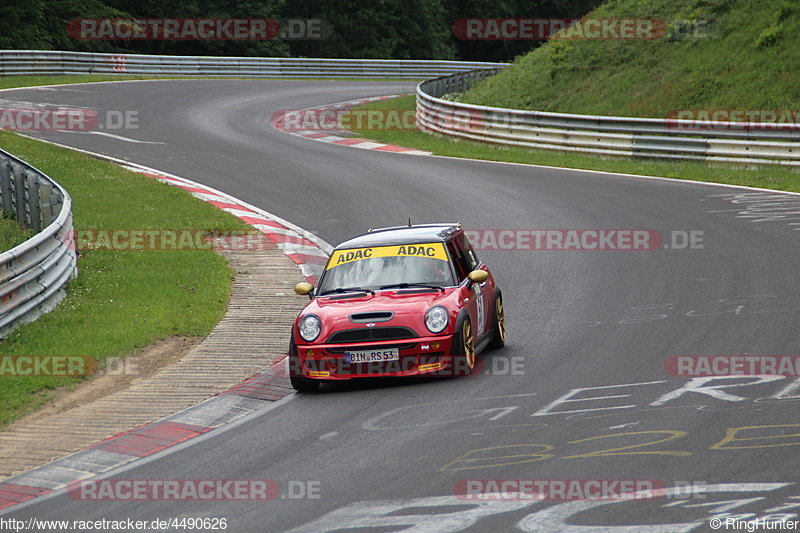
(416, 234)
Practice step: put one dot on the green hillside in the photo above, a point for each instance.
(714, 54)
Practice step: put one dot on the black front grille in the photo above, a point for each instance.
(371, 334)
(378, 316)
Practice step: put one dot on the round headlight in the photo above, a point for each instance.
(436, 319)
(309, 327)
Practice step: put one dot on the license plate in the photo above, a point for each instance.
(372, 356)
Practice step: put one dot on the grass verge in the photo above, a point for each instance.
(768, 177)
(11, 234)
(121, 300)
(713, 54)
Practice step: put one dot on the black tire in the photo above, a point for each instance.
(498, 323)
(464, 357)
(303, 384)
(299, 381)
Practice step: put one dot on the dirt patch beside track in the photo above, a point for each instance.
(171, 375)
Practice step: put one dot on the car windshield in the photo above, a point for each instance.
(372, 268)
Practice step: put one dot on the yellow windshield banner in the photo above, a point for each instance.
(434, 250)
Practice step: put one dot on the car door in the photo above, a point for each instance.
(476, 296)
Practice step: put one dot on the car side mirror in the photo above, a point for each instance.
(304, 288)
(478, 276)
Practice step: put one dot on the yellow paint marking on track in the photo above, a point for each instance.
(731, 436)
(465, 458)
(616, 451)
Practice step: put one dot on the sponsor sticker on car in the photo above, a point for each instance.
(431, 251)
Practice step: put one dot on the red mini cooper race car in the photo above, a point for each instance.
(402, 301)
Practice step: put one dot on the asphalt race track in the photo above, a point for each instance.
(389, 455)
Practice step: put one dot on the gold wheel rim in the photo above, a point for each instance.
(469, 345)
(501, 319)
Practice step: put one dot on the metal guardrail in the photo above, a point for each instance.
(734, 142)
(41, 62)
(33, 274)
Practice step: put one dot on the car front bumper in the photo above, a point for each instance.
(418, 356)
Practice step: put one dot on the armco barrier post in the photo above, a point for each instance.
(45, 204)
(19, 194)
(33, 203)
(6, 188)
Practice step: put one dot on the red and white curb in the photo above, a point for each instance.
(307, 250)
(246, 398)
(344, 137)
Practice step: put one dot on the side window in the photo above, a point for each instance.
(461, 260)
(470, 253)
